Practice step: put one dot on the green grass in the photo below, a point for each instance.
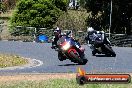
(60, 83)
(11, 60)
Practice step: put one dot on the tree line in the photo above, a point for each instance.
(100, 15)
(45, 13)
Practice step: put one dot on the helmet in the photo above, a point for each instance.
(90, 29)
(57, 31)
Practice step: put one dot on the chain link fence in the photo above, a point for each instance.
(25, 34)
(31, 35)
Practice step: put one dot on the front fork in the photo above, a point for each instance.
(81, 51)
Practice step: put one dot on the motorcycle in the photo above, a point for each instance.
(102, 45)
(68, 48)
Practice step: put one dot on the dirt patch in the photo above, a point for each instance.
(37, 77)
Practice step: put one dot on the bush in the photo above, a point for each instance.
(3, 7)
(36, 13)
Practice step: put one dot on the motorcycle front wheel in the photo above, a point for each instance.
(93, 52)
(61, 56)
(80, 61)
(111, 51)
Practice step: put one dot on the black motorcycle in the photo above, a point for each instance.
(68, 48)
(101, 45)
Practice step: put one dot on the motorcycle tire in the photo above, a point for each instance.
(113, 55)
(93, 52)
(61, 57)
(84, 60)
(111, 52)
(77, 59)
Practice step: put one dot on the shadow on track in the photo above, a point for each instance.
(102, 55)
(68, 65)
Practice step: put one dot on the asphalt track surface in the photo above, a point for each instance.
(42, 52)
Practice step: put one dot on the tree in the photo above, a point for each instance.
(121, 15)
(82, 3)
(36, 13)
(61, 4)
(95, 19)
(7, 5)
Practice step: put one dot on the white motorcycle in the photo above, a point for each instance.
(101, 45)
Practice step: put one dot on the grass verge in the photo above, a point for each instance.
(59, 83)
(11, 60)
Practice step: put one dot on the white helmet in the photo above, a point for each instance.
(90, 29)
(57, 30)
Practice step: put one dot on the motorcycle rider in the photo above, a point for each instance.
(58, 34)
(94, 39)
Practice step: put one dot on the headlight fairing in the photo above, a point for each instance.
(66, 46)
